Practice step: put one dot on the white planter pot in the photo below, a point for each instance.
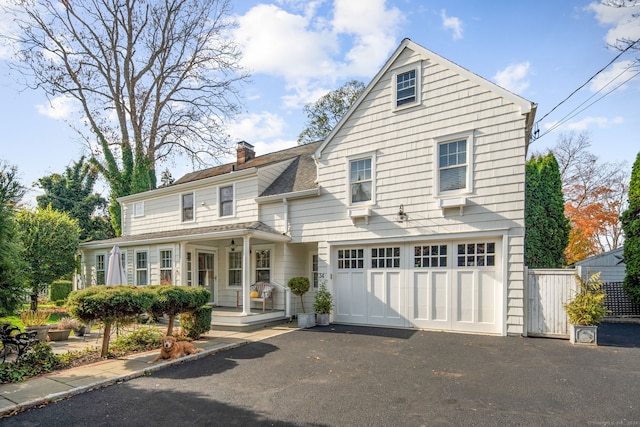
(322, 319)
(581, 334)
(306, 320)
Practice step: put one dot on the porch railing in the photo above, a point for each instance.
(287, 298)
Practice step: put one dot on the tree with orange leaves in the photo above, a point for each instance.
(594, 194)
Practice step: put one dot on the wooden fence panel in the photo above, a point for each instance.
(547, 292)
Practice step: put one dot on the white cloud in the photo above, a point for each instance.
(514, 77)
(622, 20)
(254, 127)
(59, 108)
(451, 23)
(311, 48)
(614, 76)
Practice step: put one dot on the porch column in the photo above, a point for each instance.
(246, 276)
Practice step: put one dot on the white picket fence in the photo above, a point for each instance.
(547, 291)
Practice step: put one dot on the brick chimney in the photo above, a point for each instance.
(245, 152)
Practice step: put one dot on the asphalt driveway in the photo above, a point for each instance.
(357, 376)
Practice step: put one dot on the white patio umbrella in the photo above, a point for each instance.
(115, 272)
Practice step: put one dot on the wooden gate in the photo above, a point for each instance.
(548, 290)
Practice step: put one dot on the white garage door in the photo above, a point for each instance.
(445, 285)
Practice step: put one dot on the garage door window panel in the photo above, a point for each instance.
(350, 259)
(477, 254)
(428, 256)
(385, 257)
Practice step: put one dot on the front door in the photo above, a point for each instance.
(206, 272)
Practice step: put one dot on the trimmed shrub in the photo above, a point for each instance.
(173, 300)
(299, 286)
(60, 290)
(197, 322)
(109, 304)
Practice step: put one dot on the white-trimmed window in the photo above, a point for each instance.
(226, 201)
(187, 205)
(477, 254)
(455, 166)
(166, 267)
(406, 86)
(235, 268)
(142, 268)
(430, 256)
(101, 269)
(138, 209)
(263, 265)
(362, 180)
(189, 269)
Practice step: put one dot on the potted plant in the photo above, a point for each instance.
(586, 310)
(62, 329)
(322, 305)
(36, 320)
(300, 286)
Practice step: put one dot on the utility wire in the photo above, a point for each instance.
(572, 114)
(590, 78)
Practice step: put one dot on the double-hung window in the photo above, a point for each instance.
(235, 268)
(454, 165)
(187, 207)
(405, 88)
(226, 201)
(101, 268)
(142, 269)
(263, 265)
(166, 267)
(361, 180)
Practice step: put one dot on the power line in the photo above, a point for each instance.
(572, 114)
(590, 78)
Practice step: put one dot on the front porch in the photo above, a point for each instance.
(233, 319)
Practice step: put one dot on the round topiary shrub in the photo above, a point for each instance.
(299, 286)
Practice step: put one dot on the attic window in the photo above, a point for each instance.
(406, 88)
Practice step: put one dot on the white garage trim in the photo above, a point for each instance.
(423, 284)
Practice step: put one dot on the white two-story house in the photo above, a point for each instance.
(411, 210)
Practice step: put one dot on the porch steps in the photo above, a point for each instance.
(235, 321)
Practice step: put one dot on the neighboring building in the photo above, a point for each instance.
(412, 210)
(610, 265)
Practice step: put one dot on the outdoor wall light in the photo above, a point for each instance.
(402, 216)
(233, 245)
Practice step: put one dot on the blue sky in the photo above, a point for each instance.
(298, 50)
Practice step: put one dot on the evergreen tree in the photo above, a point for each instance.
(546, 227)
(631, 226)
(73, 193)
(12, 265)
